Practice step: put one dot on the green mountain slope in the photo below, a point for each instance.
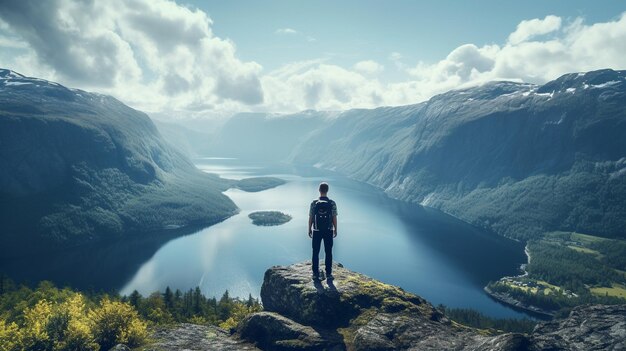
(516, 159)
(77, 167)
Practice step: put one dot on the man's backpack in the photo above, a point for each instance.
(323, 216)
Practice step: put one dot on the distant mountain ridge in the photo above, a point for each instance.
(517, 159)
(77, 167)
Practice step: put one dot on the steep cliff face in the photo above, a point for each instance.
(355, 312)
(76, 167)
(517, 159)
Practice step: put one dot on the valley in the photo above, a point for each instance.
(518, 160)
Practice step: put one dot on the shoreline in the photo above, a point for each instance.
(510, 301)
(516, 304)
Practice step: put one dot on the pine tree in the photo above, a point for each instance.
(197, 301)
(135, 299)
(224, 307)
(225, 298)
(168, 298)
(188, 304)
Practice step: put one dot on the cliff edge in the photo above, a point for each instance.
(355, 312)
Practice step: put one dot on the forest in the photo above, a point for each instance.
(48, 318)
(568, 269)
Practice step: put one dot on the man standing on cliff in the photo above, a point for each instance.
(323, 226)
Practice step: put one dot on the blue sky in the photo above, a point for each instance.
(206, 59)
(350, 31)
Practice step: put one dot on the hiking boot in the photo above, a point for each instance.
(315, 277)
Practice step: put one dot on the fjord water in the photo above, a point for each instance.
(419, 249)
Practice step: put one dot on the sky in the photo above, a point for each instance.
(210, 59)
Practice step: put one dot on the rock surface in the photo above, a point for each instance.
(270, 330)
(120, 347)
(194, 337)
(587, 328)
(355, 312)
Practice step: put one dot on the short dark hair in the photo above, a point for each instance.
(323, 187)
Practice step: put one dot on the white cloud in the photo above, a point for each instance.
(317, 85)
(155, 55)
(13, 43)
(293, 32)
(286, 31)
(369, 67)
(395, 56)
(531, 28)
(524, 57)
(164, 58)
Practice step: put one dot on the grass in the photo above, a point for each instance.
(547, 287)
(522, 288)
(584, 250)
(617, 290)
(586, 239)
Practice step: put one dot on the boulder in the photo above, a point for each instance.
(291, 292)
(271, 331)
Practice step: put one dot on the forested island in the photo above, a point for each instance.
(257, 184)
(269, 218)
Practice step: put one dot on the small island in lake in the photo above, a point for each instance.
(258, 183)
(269, 218)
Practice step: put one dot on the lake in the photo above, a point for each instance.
(421, 250)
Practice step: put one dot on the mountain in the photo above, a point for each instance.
(516, 159)
(355, 312)
(191, 142)
(267, 137)
(79, 167)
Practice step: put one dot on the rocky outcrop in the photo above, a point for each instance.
(587, 328)
(355, 312)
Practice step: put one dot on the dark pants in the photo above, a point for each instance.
(318, 236)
